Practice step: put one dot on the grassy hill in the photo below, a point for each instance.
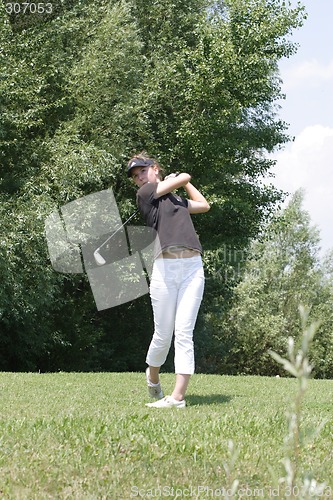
(90, 436)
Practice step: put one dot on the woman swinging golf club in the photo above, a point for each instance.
(177, 280)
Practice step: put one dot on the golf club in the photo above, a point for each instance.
(100, 261)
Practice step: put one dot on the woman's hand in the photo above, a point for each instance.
(171, 176)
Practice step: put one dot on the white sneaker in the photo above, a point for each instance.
(167, 402)
(154, 391)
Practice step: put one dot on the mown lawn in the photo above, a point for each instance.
(90, 436)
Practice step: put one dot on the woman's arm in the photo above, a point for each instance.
(197, 204)
(172, 183)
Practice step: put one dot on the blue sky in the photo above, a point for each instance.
(308, 109)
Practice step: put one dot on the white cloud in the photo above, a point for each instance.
(308, 163)
(310, 73)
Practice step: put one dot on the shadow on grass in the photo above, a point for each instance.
(212, 399)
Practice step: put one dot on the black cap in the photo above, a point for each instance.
(139, 162)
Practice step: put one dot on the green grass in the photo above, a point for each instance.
(90, 436)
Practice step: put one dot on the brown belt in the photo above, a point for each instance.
(176, 252)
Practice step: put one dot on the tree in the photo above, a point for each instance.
(281, 273)
(322, 357)
(193, 82)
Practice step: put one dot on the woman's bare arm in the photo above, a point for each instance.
(172, 183)
(197, 203)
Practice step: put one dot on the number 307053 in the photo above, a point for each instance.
(25, 7)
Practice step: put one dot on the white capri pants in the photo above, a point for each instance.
(176, 291)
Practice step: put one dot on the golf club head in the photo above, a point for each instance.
(100, 261)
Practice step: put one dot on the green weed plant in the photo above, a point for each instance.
(298, 484)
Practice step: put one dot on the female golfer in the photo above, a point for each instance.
(177, 280)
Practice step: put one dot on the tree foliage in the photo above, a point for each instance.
(282, 272)
(193, 82)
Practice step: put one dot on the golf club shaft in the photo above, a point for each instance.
(116, 231)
